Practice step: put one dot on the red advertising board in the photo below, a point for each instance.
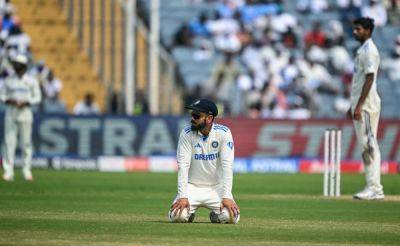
(316, 166)
(304, 138)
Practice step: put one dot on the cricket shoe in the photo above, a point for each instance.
(369, 194)
(8, 177)
(214, 218)
(191, 217)
(27, 175)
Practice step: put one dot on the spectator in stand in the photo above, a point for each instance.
(254, 111)
(224, 32)
(317, 54)
(7, 22)
(204, 49)
(141, 104)
(317, 78)
(349, 10)
(228, 42)
(223, 80)
(199, 27)
(278, 62)
(40, 70)
(220, 26)
(53, 105)
(227, 8)
(51, 86)
(18, 39)
(183, 36)
(315, 37)
(377, 11)
(335, 32)
(281, 22)
(345, 4)
(6, 6)
(289, 39)
(392, 64)
(250, 12)
(274, 103)
(338, 56)
(87, 106)
(289, 72)
(297, 108)
(313, 6)
(252, 57)
(114, 106)
(393, 11)
(342, 103)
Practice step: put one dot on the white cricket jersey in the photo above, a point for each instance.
(367, 61)
(205, 160)
(25, 89)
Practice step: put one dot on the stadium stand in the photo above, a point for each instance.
(58, 47)
(264, 36)
(14, 41)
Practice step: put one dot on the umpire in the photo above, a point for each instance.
(19, 92)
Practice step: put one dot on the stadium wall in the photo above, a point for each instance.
(110, 143)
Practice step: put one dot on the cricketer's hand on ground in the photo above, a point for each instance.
(232, 207)
(357, 113)
(179, 205)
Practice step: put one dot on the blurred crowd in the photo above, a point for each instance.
(274, 66)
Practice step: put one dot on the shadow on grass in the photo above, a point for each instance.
(167, 222)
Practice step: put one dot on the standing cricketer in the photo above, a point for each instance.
(19, 92)
(366, 107)
(205, 158)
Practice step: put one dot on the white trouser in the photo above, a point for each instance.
(208, 197)
(13, 126)
(366, 131)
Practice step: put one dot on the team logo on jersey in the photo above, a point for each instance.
(197, 145)
(230, 145)
(214, 144)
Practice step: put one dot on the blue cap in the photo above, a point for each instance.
(205, 106)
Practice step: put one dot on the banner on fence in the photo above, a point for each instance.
(89, 137)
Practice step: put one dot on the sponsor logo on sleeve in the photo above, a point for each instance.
(230, 145)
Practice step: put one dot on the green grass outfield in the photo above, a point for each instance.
(92, 208)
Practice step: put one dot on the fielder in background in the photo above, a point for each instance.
(366, 107)
(205, 158)
(19, 92)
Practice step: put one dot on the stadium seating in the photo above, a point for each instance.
(184, 11)
(53, 42)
